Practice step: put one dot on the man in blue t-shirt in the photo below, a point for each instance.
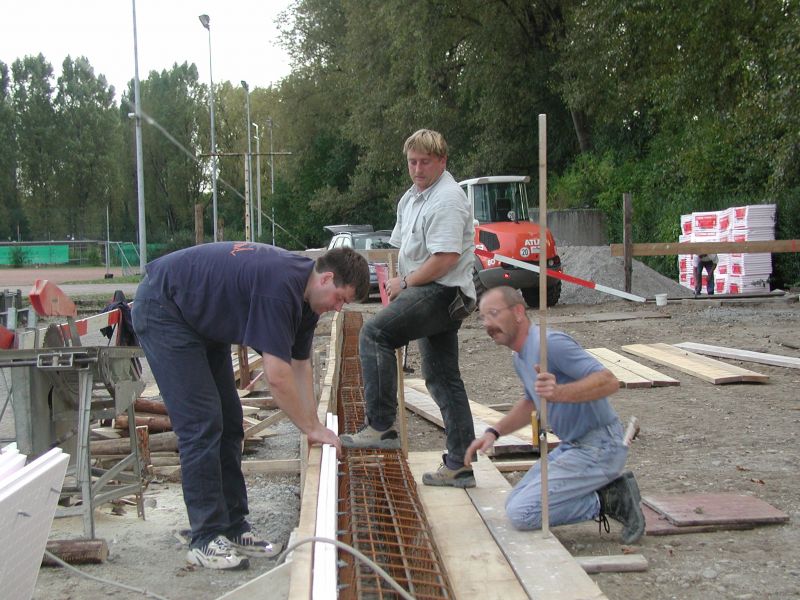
(585, 478)
(190, 307)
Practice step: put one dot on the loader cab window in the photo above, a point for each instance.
(494, 201)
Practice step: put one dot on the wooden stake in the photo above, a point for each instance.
(543, 314)
(401, 397)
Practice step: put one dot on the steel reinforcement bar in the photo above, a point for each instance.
(380, 512)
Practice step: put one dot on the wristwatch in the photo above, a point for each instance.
(403, 284)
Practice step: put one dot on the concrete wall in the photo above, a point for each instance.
(578, 227)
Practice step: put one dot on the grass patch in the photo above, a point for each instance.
(123, 279)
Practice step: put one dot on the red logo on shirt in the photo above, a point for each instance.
(241, 247)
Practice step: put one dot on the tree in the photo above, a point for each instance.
(38, 141)
(88, 169)
(12, 218)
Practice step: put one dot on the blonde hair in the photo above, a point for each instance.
(426, 141)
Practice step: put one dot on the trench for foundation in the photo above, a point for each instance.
(379, 509)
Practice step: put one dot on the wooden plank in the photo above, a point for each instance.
(544, 567)
(626, 378)
(658, 379)
(482, 417)
(744, 355)
(619, 563)
(674, 248)
(512, 466)
(603, 317)
(718, 509)
(278, 465)
(707, 369)
(268, 422)
(463, 540)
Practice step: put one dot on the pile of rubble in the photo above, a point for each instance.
(596, 264)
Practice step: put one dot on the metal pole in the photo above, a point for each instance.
(139, 160)
(271, 178)
(108, 243)
(206, 21)
(249, 159)
(258, 176)
(543, 316)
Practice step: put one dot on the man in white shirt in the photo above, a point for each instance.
(431, 295)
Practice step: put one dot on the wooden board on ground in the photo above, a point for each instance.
(463, 540)
(602, 317)
(420, 402)
(744, 355)
(544, 567)
(704, 368)
(627, 379)
(703, 509)
(272, 467)
(618, 563)
(657, 379)
(658, 524)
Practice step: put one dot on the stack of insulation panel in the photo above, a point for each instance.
(736, 273)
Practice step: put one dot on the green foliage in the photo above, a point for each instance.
(94, 257)
(18, 258)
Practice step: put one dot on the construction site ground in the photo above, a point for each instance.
(696, 437)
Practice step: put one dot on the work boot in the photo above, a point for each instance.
(620, 500)
(217, 554)
(250, 544)
(463, 477)
(369, 437)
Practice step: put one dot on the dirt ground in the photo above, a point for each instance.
(696, 437)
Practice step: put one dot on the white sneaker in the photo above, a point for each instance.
(217, 554)
(251, 544)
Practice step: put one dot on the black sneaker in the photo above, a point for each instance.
(369, 437)
(620, 500)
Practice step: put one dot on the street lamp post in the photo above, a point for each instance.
(271, 178)
(249, 159)
(206, 22)
(139, 160)
(258, 176)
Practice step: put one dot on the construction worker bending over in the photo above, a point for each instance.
(190, 307)
(585, 478)
(431, 296)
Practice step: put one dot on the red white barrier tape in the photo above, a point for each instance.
(559, 275)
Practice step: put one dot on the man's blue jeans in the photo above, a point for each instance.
(418, 313)
(195, 378)
(575, 471)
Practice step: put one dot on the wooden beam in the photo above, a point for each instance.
(278, 465)
(76, 552)
(619, 563)
(262, 425)
(744, 355)
(675, 248)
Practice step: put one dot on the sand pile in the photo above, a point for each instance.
(595, 263)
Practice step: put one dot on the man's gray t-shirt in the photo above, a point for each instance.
(568, 362)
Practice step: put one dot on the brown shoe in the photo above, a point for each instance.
(444, 475)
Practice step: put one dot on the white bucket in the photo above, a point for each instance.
(661, 299)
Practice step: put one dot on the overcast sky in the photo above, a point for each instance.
(244, 39)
